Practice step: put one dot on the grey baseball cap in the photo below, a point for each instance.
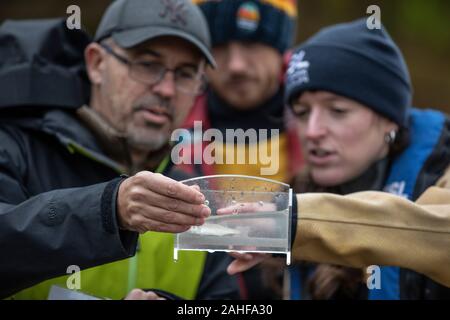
(132, 22)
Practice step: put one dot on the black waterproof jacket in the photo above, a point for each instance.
(58, 189)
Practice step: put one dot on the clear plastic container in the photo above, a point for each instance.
(248, 214)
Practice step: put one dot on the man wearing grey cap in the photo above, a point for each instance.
(145, 66)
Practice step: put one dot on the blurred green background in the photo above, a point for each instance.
(421, 28)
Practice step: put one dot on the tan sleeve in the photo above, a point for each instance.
(378, 228)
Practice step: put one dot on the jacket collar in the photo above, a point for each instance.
(76, 137)
(84, 132)
(115, 143)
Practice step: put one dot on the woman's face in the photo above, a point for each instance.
(341, 138)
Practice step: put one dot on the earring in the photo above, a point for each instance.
(390, 137)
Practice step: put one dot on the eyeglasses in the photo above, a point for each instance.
(188, 79)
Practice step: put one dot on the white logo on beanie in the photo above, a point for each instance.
(298, 68)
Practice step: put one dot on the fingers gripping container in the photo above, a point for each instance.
(248, 214)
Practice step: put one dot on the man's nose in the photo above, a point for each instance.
(237, 62)
(166, 87)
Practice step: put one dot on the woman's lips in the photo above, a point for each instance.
(319, 157)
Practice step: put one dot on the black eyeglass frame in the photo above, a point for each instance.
(201, 77)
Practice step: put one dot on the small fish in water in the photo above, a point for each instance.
(211, 229)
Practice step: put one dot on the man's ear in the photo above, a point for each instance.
(94, 56)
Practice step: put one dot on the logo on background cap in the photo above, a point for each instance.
(175, 10)
(248, 17)
(298, 69)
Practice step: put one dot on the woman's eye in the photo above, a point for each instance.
(301, 112)
(298, 108)
(339, 111)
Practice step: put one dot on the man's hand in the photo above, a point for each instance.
(152, 202)
(138, 294)
(245, 261)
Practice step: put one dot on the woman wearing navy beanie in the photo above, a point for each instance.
(377, 185)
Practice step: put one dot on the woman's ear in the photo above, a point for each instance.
(392, 126)
(390, 130)
(388, 126)
(94, 56)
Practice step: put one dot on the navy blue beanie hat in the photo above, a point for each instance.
(272, 22)
(353, 61)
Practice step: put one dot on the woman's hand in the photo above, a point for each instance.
(245, 261)
(138, 294)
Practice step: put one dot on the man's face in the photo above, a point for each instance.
(146, 113)
(247, 74)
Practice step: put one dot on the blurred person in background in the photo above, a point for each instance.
(251, 41)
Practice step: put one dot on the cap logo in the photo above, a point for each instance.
(298, 69)
(248, 17)
(174, 10)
